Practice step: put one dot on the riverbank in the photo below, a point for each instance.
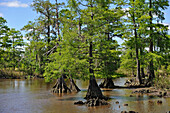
(10, 74)
(16, 74)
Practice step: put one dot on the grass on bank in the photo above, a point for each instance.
(10, 74)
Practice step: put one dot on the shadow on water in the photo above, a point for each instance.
(71, 99)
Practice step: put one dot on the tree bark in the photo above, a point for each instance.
(57, 23)
(48, 26)
(138, 77)
(93, 90)
(151, 70)
(108, 83)
(142, 63)
(60, 86)
(133, 73)
(79, 27)
(142, 69)
(73, 86)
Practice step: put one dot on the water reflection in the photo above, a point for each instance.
(29, 96)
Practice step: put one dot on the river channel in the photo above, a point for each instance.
(34, 96)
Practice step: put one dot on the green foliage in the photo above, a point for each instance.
(33, 61)
(162, 79)
(72, 57)
(10, 46)
(113, 76)
(87, 39)
(128, 60)
(150, 34)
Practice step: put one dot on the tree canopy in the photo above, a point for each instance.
(80, 40)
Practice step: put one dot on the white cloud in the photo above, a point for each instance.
(13, 4)
(1, 15)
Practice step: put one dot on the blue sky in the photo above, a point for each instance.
(18, 13)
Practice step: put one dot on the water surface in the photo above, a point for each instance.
(33, 96)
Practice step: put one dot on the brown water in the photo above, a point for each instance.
(33, 96)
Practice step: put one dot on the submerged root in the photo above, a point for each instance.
(73, 86)
(60, 86)
(96, 102)
(92, 102)
(94, 95)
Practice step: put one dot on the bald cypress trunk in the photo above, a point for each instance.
(60, 86)
(94, 90)
(138, 77)
(142, 69)
(151, 70)
(73, 86)
(57, 23)
(108, 83)
(48, 25)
